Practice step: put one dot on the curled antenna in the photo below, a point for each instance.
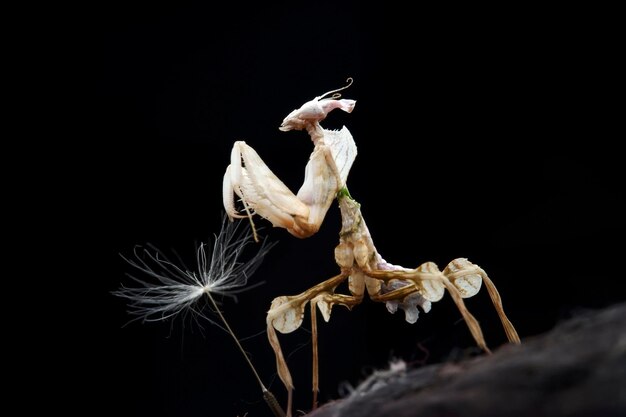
(335, 93)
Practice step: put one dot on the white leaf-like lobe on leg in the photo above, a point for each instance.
(324, 305)
(465, 276)
(286, 313)
(432, 290)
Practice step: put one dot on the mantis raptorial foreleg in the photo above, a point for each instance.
(263, 193)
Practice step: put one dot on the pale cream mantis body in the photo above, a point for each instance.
(262, 193)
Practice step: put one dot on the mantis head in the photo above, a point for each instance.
(314, 111)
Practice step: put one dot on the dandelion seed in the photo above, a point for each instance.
(174, 289)
(170, 288)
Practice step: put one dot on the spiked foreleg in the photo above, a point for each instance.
(260, 191)
(263, 193)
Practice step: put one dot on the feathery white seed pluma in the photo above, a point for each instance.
(169, 288)
(173, 289)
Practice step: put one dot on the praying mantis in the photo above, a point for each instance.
(261, 192)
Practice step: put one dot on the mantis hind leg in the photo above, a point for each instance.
(325, 301)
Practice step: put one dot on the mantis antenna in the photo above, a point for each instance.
(336, 94)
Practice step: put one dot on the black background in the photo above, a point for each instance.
(482, 133)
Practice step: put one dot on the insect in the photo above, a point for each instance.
(262, 193)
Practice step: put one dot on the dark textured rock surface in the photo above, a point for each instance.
(578, 369)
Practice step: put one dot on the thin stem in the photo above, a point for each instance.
(243, 352)
(267, 395)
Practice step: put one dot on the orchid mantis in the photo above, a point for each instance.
(261, 192)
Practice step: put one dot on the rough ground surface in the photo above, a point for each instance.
(578, 369)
